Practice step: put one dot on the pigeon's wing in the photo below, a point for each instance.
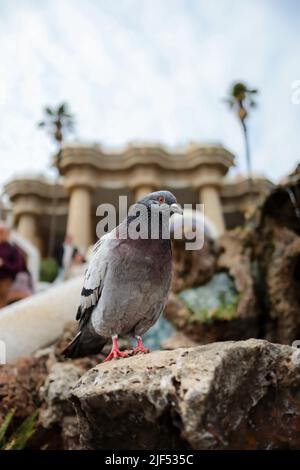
(94, 278)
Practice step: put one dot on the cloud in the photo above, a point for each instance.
(149, 70)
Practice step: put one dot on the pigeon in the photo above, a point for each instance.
(128, 279)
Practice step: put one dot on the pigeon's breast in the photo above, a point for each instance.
(136, 286)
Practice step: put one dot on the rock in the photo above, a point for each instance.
(20, 385)
(193, 267)
(55, 393)
(57, 409)
(216, 300)
(282, 205)
(224, 306)
(178, 340)
(235, 258)
(177, 312)
(231, 395)
(279, 256)
(209, 313)
(158, 333)
(276, 248)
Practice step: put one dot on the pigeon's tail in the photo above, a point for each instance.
(84, 343)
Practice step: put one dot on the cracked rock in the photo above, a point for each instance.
(230, 395)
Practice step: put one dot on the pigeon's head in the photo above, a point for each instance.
(163, 199)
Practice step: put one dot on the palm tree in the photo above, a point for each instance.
(58, 122)
(241, 100)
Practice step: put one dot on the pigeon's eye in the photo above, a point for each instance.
(161, 199)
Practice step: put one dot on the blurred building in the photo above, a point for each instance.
(90, 175)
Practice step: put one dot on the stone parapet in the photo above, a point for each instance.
(187, 158)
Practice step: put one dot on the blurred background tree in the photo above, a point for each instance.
(241, 100)
(58, 122)
(49, 270)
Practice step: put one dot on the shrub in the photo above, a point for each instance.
(48, 270)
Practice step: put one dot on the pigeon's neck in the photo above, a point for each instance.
(148, 226)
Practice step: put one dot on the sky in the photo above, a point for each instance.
(151, 71)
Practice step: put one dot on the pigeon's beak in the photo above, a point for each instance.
(176, 209)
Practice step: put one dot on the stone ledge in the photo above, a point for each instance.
(132, 155)
(230, 395)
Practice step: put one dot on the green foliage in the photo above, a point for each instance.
(241, 96)
(5, 424)
(240, 91)
(224, 312)
(20, 437)
(58, 121)
(48, 270)
(215, 300)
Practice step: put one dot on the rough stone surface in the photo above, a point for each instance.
(56, 391)
(193, 267)
(177, 312)
(235, 258)
(57, 410)
(41, 382)
(279, 256)
(20, 383)
(276, 247)
(232, 395)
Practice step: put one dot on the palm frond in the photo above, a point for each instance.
(58, 122)
(49, 111)
(61, 109)
(4, 426)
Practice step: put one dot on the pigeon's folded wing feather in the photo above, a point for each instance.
(94, 278)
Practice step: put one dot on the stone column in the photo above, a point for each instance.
(210, 197)
(79, 217)
(142, 190)
(27, 228)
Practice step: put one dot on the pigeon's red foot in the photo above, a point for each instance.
(140, 347)
(115, 352)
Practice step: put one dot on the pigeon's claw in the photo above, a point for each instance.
(115, 352)
(140, 347)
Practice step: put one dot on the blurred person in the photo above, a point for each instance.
(77, 267)
(11, 263)
(22, 285)
(65, 256)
